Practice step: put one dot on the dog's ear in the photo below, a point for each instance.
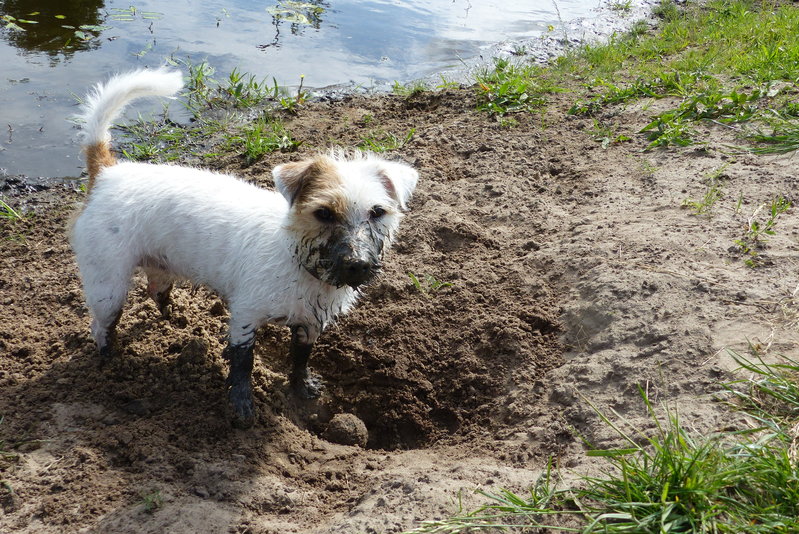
(399, 180)
(299, 179)
(290, 177)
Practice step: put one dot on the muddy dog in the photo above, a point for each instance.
(296, 257)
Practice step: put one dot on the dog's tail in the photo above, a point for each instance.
(106, 102)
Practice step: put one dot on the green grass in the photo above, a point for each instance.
(263, 136)
(760, 228)
(409, 89)
(8, 213)
(238, 90)
(713, 192)
(508, 88)
(671, 480)
(428, 284)
(162, 140)
(152, 501)
(714, 62)
(382, 141)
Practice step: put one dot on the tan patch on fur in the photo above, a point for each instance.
(310, 181)
(98, 156)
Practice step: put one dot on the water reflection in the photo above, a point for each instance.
(367, 43)
(57, 28)
(298, 15)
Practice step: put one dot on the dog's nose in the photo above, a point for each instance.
(354, 272)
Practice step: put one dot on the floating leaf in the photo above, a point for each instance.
(34, 13)
(12, 26)
(82, 36)
(146, 49)
(67, 26)
(95, 28)
(62, 17)
(151, 15)
(25, 21)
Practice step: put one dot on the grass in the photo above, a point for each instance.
(409, 89)
(427, 284)
(7, 212)
(674, 480)
(263, 136)
(712, 62)
(152, 501)
(713, 192)
(162, 140)
(509, 87)
(239, 90)
(757, 229)
(381, 141)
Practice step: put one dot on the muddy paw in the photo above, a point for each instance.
(107, 353)
(243, 409)
(308, 387)
(166, 310)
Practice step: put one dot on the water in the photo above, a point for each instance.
(65, 46)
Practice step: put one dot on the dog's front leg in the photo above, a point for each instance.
(239, 353)
(306, 385)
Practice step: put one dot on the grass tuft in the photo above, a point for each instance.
(381, 141)
(264, 136)
(508, 88)
(152, 501)
(713, 192)
(673, 481)
(757, 228)
(8, 213)
(428, 284)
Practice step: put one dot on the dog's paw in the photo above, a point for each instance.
(166, 310)
(243, 410)
(108, 352)
(308, 387)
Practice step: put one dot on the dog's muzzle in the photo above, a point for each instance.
(353, 272)
(346, 257)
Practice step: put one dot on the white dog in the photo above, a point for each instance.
(295, 258)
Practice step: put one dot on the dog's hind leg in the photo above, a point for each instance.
(159, 287)
(239, 352)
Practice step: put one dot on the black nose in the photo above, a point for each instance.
(354, 272)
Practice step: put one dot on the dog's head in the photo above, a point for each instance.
(345, 212)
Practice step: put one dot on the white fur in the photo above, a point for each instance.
(211, 228)
(106, 102)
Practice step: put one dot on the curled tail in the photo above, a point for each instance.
(106, 102)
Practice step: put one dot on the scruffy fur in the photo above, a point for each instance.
(296, 257)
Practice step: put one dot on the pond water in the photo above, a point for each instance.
(52, 50)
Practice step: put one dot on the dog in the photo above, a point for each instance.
(299, 256)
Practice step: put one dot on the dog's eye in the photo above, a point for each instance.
(324, 215)
(376, 212)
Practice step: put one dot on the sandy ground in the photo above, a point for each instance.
(574, 272)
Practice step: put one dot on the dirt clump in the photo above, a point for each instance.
(534, 268)
(346, 429)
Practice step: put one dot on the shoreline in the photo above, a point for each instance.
(539, 49)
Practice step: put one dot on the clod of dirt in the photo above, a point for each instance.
(194, 352)
(346, 429)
